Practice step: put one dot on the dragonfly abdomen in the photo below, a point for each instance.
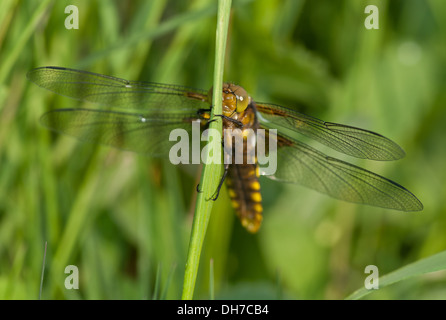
(244, 190)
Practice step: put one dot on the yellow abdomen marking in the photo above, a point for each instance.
(255, 185)
(256, 196)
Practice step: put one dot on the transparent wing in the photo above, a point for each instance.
(127, 131)
(299, 163)
(353, 141)
(119, 93)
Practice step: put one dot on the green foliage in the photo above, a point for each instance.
(125, 220)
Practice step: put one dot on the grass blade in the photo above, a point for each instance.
(211, 172)
(433, 263)
(43, 272)
(211, 280)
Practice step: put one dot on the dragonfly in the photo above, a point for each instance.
(139, 116)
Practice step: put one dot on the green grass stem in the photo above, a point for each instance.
(211, 172)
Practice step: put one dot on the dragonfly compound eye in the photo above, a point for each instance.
(242, 97)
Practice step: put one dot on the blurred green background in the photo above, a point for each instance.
(124, 220)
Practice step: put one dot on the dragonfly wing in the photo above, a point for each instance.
(353, 141)
(119, 93)
(146, 134)
(299, 163)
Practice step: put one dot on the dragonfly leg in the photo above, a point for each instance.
(238, 123)
(217, 192)
(205, 115)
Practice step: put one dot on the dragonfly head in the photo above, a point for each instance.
(234, 98)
